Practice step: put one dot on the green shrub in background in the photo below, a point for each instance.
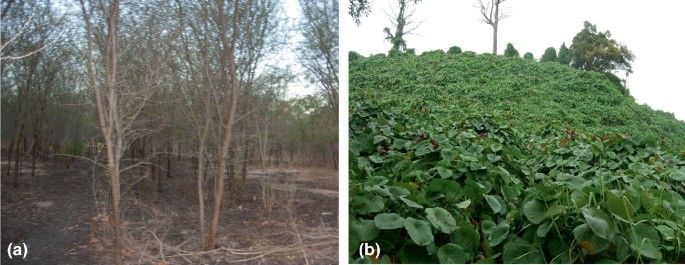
(564, 55)
(529, 56)
(454, 50)
(352, 55)
(394, 53)
(438, 53)
(510, 51)
(550, 55)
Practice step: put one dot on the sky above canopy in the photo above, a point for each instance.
(651, 29)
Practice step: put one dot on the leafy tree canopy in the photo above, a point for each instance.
(454, 50)
(510, 51)
(564, 55)
(358, 9)
(550, 55)
(592, 50)
(529, 56)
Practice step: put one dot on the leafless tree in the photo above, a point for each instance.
(108, 114)
(202, 80)
(492, 14)
(119, 102)
(229, 79)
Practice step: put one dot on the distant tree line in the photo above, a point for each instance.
(591, 50)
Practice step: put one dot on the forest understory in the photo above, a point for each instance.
(286, 216)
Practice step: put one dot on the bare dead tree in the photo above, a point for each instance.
(108, 114)
(229, 79)
(492, 14)
(217, 75)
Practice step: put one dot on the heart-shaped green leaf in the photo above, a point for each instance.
(444, 172)
(366, 203)
(364, 230)
(388, 221)
(493, 202)
(499, 234)
(451, 254)
(468, 238)
(534, 210)
(646, 241)
(620, 207)
(600, 222)
(411, 203)
(441, 219)
(522, 252)
(419, 231)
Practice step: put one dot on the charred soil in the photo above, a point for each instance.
(285, 216)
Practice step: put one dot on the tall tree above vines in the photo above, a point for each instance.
(492, 14)
(594, 50)
(401, 21)
(361, 8)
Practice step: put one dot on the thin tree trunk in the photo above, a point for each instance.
(108, 116)
(246, 157)
(118, 133)
(200, 176)
(36, 130)
(199, 160)
(168, 159)
(158, 160)
(33, 154)
(494, 39)
(227, 55)
(143, 150)
(202, 159)
(133, 151)
(494, 29)
(22, 120)
(231, 173)
(151, 164)
(9, 158)
(17, 156)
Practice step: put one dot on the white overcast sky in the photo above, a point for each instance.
(653, 30)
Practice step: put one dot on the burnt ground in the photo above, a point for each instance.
(287, 216)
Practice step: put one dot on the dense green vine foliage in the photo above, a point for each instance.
(452, 189)
(529, 94)
(465, 158)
